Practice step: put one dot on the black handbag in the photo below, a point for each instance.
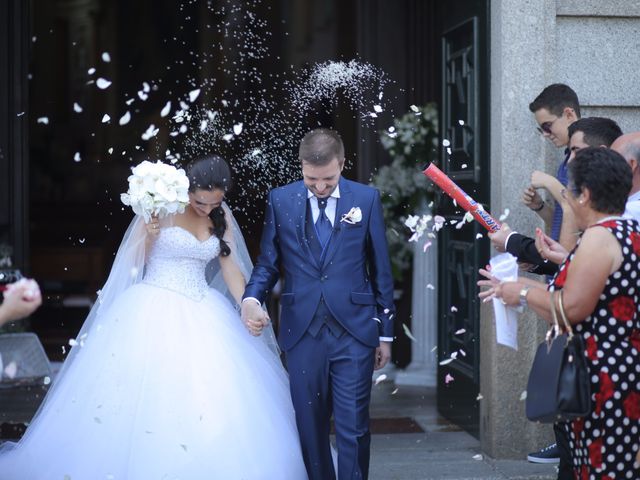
(558, 389)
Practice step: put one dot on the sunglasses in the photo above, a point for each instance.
(545, 127)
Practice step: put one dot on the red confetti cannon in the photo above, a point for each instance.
(465, 201)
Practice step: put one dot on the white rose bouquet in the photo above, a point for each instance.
(156, 189)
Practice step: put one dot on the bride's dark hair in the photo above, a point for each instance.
(212, 173)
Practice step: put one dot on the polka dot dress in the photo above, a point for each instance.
(605, 443)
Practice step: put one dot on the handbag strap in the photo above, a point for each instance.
(554, 330)
(567, 325)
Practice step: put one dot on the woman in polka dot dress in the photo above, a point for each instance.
(600, 285)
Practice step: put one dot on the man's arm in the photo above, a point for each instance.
(266, 271)
(380, 269)
(524, 249)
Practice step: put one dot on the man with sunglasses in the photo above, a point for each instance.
(586, 132)
(555, 109)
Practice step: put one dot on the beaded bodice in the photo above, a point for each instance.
(177, 261)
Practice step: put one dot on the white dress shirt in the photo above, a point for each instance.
(632, 208)
(330, 210)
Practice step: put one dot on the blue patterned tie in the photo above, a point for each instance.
(323, 225)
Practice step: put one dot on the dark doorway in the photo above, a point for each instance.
(465, 121)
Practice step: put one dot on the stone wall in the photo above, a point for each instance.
(592, 46)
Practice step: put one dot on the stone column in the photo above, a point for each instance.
(424, 313)
(520, 69)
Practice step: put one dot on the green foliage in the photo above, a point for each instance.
(412, 143)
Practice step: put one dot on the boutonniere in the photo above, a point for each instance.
(353, 216)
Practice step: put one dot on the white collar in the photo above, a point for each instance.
(635, 197)
(335, 194)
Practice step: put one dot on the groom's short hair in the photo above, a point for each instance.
(320, 146)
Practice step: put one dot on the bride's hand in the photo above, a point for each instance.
(153, 227)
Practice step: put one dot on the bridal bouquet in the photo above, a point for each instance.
(156, 189)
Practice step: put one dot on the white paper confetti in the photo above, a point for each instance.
(478, 236)
(43, 120)
(152, 131)
(106, 57)
(446, 143)
(504, 216)
(77, 108)
(76, 157)
(165, 110)
(523, 396)
(448, 379)
(227, 137)
(446, 361)
(126, 118)
(394, 391)
(377, 108)
(461, 122)
(479, 397)
(430, 287)
(91, 71)
(454, 309)
(46, 380)
(237, 128)
(193, 94)
(461, 331)
(408, 333)
(414, 109)
(106, 118)
(380, 378)
(477, 457)
(102, 83)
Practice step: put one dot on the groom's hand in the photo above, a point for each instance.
(253, 316)
(383, 354)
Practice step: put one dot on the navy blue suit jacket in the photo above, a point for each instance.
(354, 278)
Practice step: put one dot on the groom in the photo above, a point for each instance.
(327, 235)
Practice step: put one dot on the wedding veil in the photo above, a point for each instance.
(128, 269)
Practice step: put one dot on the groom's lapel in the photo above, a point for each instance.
(299, 200)
(345, 202)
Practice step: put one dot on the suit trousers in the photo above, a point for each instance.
(331, 374)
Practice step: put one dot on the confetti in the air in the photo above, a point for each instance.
(380, 378)
(126, 118)
(166, 109)
(523, 396)
(408, 333)
(460, 332)
(106, 57)
(448, 379)
(102, 83)
(43, 120)
(76, 157)
(77, 108)
(193, 94)
(504, 216)
(106, 118)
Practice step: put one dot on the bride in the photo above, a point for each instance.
(165, 382)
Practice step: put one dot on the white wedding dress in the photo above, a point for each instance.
(166, 384)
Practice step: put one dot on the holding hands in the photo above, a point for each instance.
(253, 316)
